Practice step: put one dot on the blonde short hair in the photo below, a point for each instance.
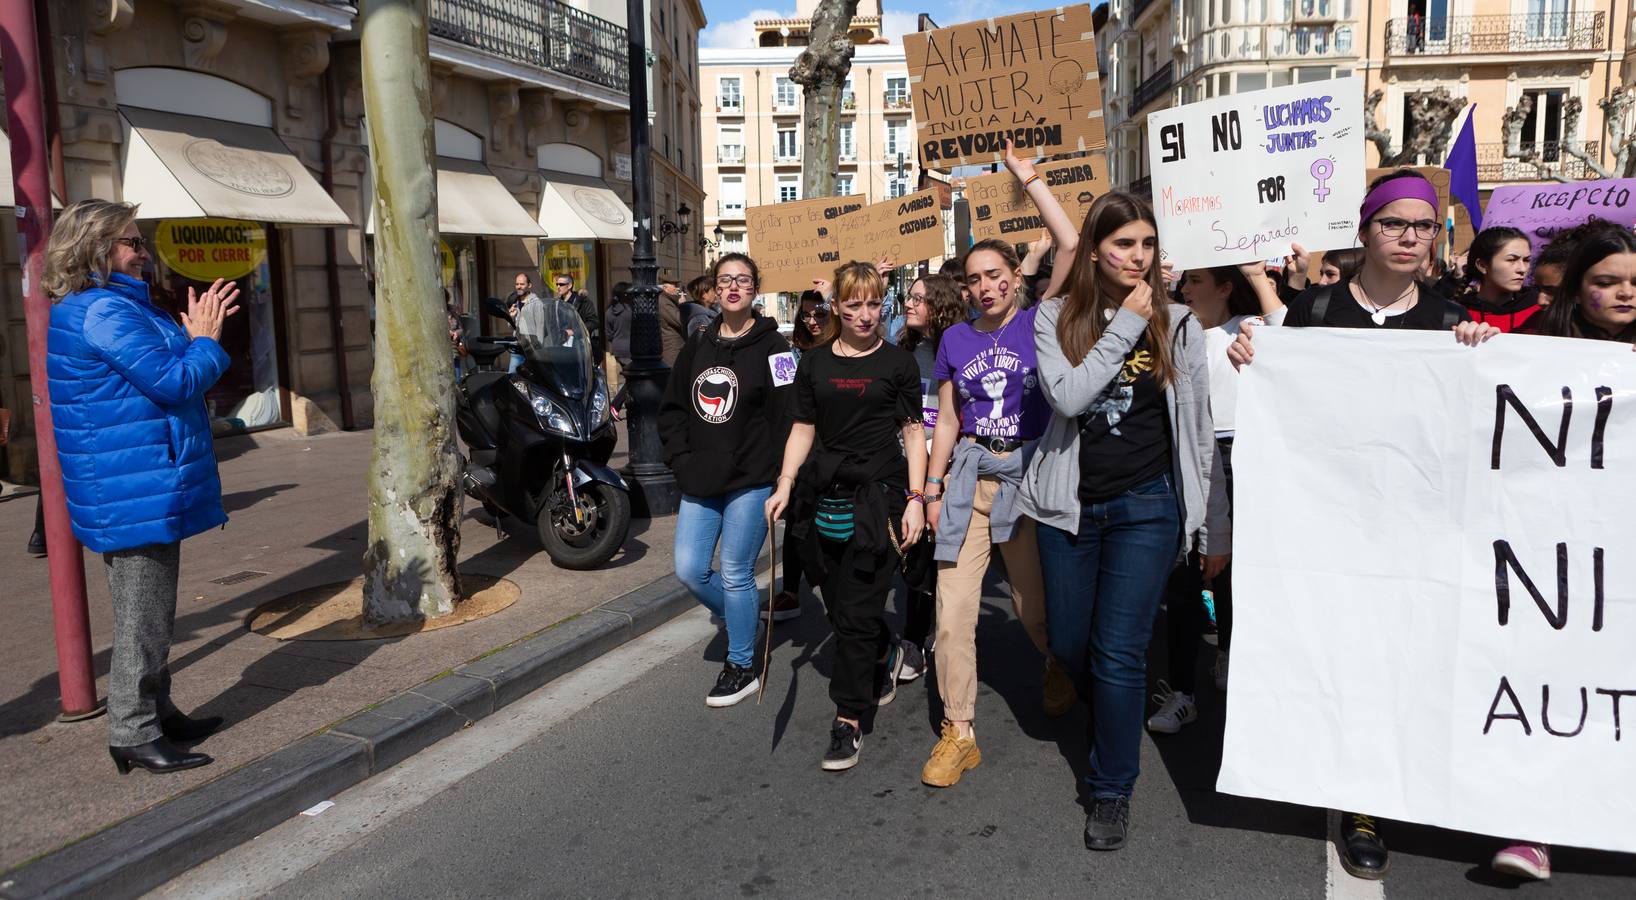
(852, 280)
(82, 241)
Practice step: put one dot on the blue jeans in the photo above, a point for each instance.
(739, 521)
(1102, 590)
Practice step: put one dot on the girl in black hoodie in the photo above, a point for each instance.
(723, 423)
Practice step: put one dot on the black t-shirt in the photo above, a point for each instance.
(1431, 312)
(858, 404)
(1124, 440)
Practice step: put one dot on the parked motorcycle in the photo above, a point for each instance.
(540, 437)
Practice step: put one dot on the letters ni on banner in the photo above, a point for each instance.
(1030, 78)
(1435, 603)
(1242, 177)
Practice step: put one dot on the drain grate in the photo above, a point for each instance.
(238, 577)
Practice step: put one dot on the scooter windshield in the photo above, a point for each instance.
(553, 339)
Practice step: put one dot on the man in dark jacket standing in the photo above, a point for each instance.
(672, 326)
(616, 330)
(563, 284)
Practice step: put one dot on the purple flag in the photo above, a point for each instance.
(1462, 166)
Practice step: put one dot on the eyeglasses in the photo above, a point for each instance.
(563, 284)
(137, 244)
(726, 281)
(816, 315)
(1425, 229)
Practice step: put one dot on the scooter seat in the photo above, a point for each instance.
(480, 387)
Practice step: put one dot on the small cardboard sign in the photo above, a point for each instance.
(795, 243)
(1029, 77)
(905, 230)
(1000, 208)
(1242, 177)
(1542, 210)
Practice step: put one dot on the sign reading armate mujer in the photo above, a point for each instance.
(1030, 78)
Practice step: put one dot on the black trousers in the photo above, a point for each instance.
(1184, 604)
(793, 569)
(855, 594)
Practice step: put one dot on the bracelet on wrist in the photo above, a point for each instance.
(1030, 180)
(932, 498)
(930, 480)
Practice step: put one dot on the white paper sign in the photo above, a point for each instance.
(1241, 177)
(1395, 512)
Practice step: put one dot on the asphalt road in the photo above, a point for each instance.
(618, 782)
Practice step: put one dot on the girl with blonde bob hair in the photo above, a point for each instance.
(127, 387)
(853, 479)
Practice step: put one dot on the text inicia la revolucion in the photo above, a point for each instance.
(1507, 705)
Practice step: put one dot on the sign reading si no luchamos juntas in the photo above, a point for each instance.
(1030, 78)
(207, 249)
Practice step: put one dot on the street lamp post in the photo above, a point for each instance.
(653, 486)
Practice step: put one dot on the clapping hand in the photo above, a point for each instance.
(206, 313)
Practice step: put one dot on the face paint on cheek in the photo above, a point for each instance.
(1005, 288)
(1594, 299)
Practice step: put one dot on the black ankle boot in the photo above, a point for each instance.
(36, 544)
(1363, 853)
(178, 727)
(156, 756)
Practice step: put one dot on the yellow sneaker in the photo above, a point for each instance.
(952, 756)
(1059, 690)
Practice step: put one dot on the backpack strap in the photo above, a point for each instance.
(1320, 305)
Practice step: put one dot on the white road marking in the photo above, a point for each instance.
(1338, 885)
(258, 867)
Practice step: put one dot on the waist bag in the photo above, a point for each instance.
(834, 518)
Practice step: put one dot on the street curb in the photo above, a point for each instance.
(152, 847)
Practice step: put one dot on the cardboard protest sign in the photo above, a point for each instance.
(1029, 77)
(905, 230)
(1542, 210)
(1000, 209)
(1464, 626)
(1242, 177)
(795, 243)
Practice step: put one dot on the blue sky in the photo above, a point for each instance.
(730, 19)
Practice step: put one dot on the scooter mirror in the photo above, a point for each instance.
(494, 306)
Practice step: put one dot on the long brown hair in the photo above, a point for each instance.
(1091, 302)
(853, 279)
(79, 254)
(945, 308)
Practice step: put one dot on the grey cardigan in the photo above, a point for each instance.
(1050, 487)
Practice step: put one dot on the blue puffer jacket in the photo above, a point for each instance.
(127, 400)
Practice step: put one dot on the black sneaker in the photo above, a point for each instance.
(914, 662)
(732, 685)
(844, 742)
(1108, 823)
(1363, 853)
(886, 689)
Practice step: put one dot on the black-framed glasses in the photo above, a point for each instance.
(1425, 229)
(816, 315)
(726, 281)
(137, 244)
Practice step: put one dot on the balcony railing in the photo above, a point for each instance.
(725, 210)
(730, 104)
(731, 154)
(1420, 36)
(543, 33)
(1143, 185)
(1493, 166)
(1157, 85)
(895, 100)
(1271, 42)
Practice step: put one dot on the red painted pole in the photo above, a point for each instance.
(25, 114)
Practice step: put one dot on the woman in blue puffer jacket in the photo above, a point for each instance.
(139, 468)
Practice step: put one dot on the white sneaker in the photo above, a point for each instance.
(1219, 670)
(1175, 710)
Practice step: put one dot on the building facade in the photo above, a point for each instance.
(674, 108)
(239, 127)
(753, 121)
(1559, 54)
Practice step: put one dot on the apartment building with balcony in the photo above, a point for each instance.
(243, 121)
(753, 122)
(1555, 54)
(675, 102)
(1162, 52)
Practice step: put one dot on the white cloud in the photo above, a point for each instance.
(739, 34)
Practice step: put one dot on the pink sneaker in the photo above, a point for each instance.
(1531, 861)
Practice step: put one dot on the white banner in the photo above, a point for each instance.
(1240, 178)
(1435, 603)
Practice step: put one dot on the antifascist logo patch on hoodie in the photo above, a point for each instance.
(715, 394)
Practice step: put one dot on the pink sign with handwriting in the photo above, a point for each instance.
(1542, 210)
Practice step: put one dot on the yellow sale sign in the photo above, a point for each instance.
(207, 249)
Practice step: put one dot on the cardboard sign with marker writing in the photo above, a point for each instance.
(1243, 177)
(1029, 77)
(795, 243)
(1000, 209)
(905, 230)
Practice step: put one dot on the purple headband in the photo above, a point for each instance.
(1405, 188)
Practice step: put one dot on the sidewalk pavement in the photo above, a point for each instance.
(297, 508)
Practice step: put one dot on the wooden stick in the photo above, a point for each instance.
(772, 587)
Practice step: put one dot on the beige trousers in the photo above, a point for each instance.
(960, 599)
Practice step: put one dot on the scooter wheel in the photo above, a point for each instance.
(591, 538)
